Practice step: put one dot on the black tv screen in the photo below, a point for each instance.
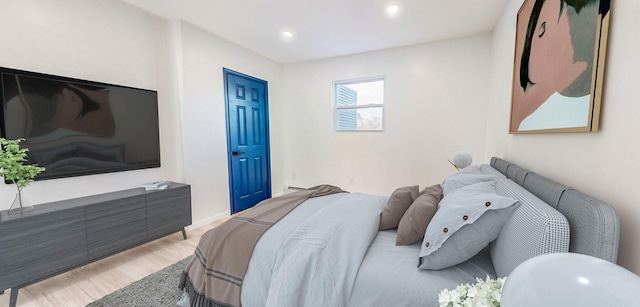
(74, 127)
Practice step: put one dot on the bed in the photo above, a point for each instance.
(351, 249)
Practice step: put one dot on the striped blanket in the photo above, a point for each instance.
(215, 274)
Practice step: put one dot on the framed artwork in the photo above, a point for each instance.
(559, 65)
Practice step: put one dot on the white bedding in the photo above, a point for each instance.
(389, 275)
(329, 252)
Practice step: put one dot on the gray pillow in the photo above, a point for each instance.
(398, 203)
(467, 221)
(414, 222)
(466, 176)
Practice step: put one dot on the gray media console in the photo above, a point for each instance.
(59, 236)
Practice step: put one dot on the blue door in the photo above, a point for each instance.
(247, 140)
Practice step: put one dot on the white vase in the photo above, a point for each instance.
(20, 204)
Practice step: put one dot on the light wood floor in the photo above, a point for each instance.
(93, 281)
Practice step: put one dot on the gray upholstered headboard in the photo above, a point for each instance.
(594, 225)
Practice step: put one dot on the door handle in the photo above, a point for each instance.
(237, 153)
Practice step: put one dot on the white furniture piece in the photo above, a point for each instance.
(570, 279)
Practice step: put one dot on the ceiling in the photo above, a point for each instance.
(329, 28)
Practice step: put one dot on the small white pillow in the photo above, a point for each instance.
(468, 220)
(466, 176)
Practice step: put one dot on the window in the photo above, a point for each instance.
(359, 104)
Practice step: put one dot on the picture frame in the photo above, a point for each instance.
(559, 62)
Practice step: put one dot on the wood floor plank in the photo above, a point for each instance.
(91, 282)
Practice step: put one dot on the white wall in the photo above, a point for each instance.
(603, 164)
(205, 140)
(104, 41)
(436, 104)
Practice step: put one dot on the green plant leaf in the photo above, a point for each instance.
(13, 165)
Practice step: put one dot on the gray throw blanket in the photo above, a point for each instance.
(214, 275)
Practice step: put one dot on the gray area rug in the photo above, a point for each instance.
(156, 290)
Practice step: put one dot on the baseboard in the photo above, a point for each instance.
(218, 216)
(208, 220)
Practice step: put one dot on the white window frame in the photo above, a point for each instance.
(336, 107)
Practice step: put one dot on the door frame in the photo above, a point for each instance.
(226, 72)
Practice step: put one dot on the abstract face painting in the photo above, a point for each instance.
(558, 65)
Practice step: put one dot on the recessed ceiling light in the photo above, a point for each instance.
(287, 33)
(393, 9)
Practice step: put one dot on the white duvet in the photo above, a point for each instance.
(312, 256)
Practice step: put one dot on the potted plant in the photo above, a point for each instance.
(13, 168)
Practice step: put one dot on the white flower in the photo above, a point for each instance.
(484, 293)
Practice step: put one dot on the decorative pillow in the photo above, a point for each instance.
(436, 188)
(398, 203)
(466, 176)
(468, 220)
(414, 222)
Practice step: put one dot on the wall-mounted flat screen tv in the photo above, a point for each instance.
(75, 127)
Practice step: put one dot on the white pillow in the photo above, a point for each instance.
(464, 177)
(469, 218)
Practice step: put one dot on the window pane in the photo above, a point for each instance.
(363, 119)
(364, 93)
(347, 119)
(370, 119)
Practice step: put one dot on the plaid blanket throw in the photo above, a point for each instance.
(213, 277)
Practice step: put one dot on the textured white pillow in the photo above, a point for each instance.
(469, 218)
(464, 177)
